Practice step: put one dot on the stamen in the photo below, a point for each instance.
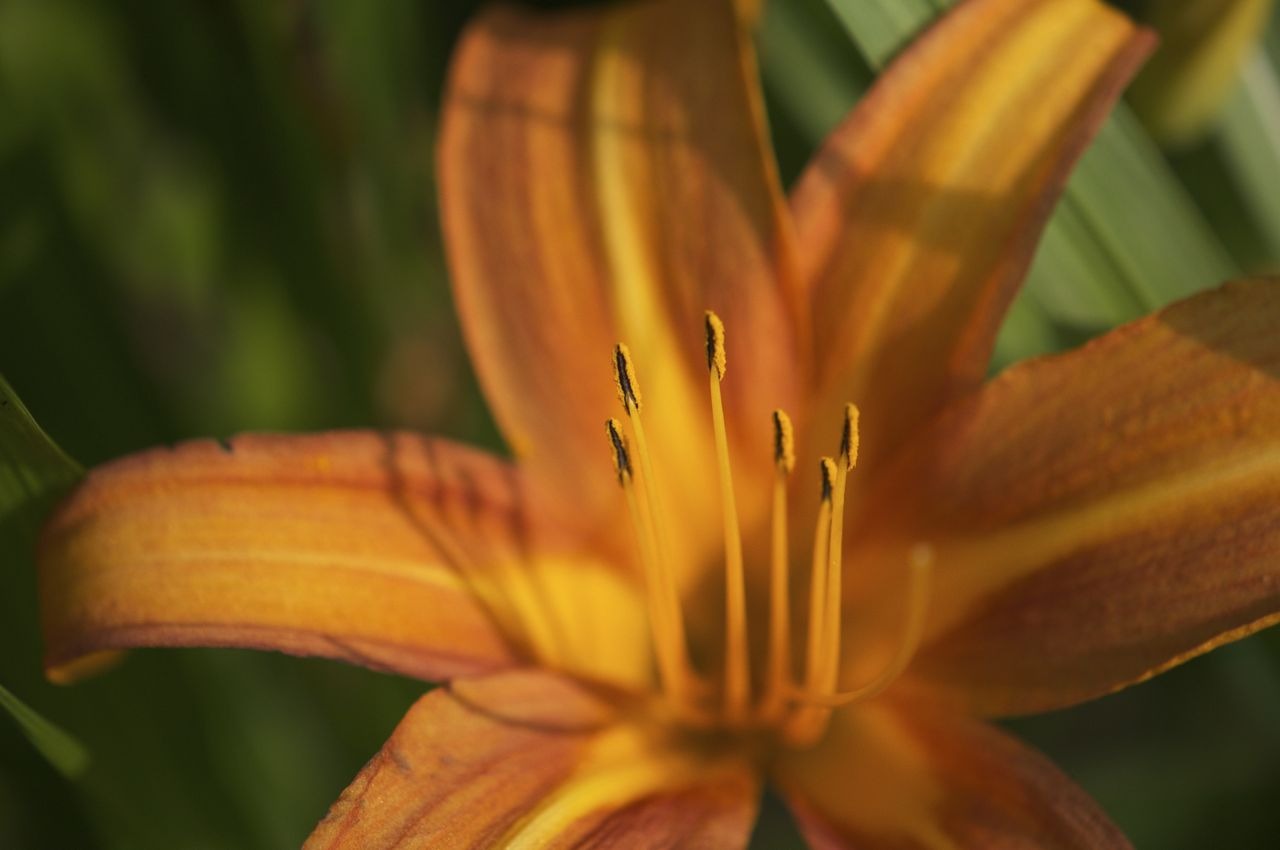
(849, 436)
(779, 673)
(621, 457)
(662, 579)
(920, 563)
(804, 726)
(737, 674)
(644, 539)
(834, 593)
(624, 375)
(664, 635)
(784, 442)
(716, 359)
(818, 579)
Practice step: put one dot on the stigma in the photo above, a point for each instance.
(788, 690)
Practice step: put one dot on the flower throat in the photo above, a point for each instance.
(795, 702)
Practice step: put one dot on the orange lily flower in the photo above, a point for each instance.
(632, 650)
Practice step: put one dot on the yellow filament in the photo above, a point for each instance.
(737, 673)
(668, 666)
(834, 592)
(921, 567)
(818, 579)
(666, 578)
(661, 579)
(805, 726)
(665, 649)
(779, 672)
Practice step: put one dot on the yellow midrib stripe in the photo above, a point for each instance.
(620, 768)
(971, 567)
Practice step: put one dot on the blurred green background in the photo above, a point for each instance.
(219, 217)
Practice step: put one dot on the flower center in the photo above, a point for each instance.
(797, 704)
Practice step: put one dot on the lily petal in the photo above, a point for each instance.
(1102, 515)
(900, 775)
(921, 213)
(605, 177)
(458, 774)
(387, 550)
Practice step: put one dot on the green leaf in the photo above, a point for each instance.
(1161, 246)
(1249, 137)
(881, 28)
(810, 74)
(64, 752)
(32, 467)
(33, 470)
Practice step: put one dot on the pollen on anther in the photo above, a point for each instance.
(784, 448)
(621, 457)
(624, 375)
(716, 359)
(828, 468)
(849, 436)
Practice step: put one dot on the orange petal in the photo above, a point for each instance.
(605, 177)
(1105, 514)
(920, 215)
(456, 773)
(898, 775)
(391, 551)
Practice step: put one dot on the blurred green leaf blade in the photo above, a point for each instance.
(64, 752)
(33, 469)
(1249, 137)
